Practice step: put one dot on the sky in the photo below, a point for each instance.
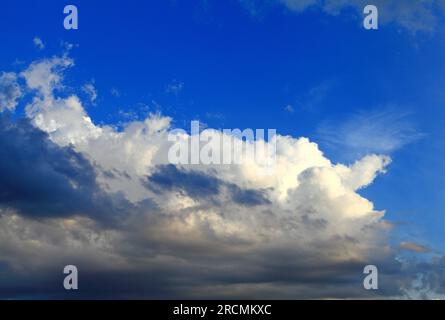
(85, 178)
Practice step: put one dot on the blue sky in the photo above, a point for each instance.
(259, 64)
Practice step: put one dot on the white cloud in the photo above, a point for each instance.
(414, 16)
(363, 172)
(382, 131)
(46, 75)
(39, 43)
(91, 91)
(243, 220)
(304, 180)
(10, 91)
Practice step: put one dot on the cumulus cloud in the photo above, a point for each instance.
(40, 179)
(45, 76)
(300, 230)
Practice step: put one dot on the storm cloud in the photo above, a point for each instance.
(301, 230)
(40, 179)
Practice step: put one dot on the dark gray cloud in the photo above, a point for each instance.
(199, 185)
(247, 197)
(189, 232)
(146, 259)
(258, 274)
(194, 184)
(41, 179)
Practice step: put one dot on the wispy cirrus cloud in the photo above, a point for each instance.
(412, 16)
(377, 131)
